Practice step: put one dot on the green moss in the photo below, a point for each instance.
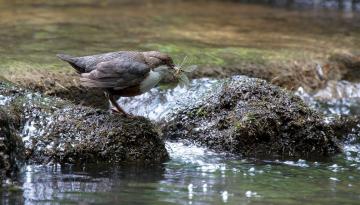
(25, 68)
(222, 56)
(249, 117)
(201, 112)
(253, 118)
(238, 125)
(14, 188)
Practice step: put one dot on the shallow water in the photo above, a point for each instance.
(195, 175)
(213, 33)
(210, 32)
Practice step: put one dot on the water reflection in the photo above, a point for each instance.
(58, 182)
(200, 178)
(90, 184)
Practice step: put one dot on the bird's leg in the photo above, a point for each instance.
(115, 104)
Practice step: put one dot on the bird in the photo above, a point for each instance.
(122, 73)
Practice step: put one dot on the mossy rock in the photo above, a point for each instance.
(57, 131)
(11, 148)
(250, 117)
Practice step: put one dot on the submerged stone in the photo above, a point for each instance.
(57, 131)
(241, 115)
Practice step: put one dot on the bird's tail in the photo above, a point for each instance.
(64, 57)
(72, 61)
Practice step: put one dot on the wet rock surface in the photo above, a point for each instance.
(57, 131)
(346, 128)
(11, 148)
(250, 117)
(241, 115)
(62, 84)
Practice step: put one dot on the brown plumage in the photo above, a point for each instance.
(123, 73)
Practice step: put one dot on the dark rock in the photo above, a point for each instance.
(250, 117)
(11, 148)
(58, 131)
(346, 128)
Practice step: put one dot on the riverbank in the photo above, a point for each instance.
(309, 74)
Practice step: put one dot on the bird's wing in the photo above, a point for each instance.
(118, 73)
(86, 64)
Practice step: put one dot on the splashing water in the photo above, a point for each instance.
(4, 99)
(157, 104)
(338, 97)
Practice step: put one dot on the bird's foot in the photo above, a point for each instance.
(116, 111)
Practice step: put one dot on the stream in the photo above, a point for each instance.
(223, 33)
(195, 175)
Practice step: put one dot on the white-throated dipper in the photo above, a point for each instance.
(122, 73)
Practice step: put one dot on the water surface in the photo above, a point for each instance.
(211, 32)
(197, 176)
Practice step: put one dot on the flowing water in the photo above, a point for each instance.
(213, 32)
(210, 32)
(195, 175)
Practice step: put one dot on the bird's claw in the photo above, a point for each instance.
(116, 111)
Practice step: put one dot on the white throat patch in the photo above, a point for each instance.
(151, 81)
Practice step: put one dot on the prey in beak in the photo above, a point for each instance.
(180, 74)
(177, 70)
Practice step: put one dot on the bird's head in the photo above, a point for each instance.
(157, 59)
(163, 63)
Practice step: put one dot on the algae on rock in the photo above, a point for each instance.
(58, 131)
(250, 117)
(241, 115)
(11, 148)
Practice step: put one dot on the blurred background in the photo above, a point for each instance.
(272, 39)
